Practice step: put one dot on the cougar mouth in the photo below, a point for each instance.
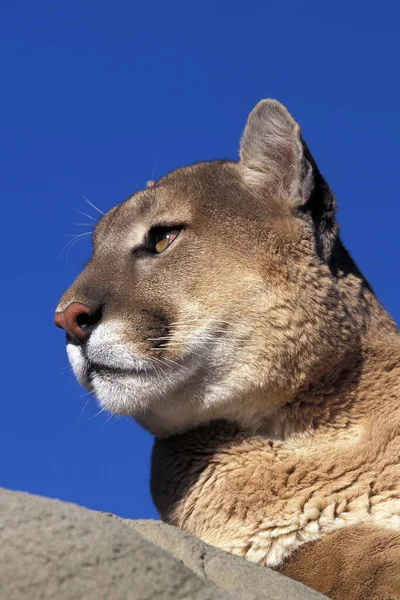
(152, 389)
(109, 370)
(86, 368)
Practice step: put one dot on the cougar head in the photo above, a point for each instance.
(211, 293)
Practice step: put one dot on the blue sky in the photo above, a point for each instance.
(100, 96)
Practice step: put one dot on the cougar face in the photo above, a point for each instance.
(212, 293)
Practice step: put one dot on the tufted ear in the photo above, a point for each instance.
(274, 158)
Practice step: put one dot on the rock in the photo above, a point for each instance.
(59, 551)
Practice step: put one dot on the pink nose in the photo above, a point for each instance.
(77, 320)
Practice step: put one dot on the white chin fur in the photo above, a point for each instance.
(106, 347)
(160, 397)
(78, 363)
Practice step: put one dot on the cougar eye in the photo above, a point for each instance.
(161, 237)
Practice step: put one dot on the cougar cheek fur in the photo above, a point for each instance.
(221, 310)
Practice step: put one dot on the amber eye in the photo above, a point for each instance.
(162, 237)
(158, 239)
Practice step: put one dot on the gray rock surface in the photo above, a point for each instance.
(59, 551)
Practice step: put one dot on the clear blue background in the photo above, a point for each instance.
(101, 96)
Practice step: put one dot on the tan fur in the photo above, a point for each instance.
(355, 563)
(258, 354)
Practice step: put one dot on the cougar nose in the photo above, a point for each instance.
(77, 320)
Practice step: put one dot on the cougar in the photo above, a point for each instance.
(221, 310)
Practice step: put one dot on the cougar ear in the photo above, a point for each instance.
(272, 152)
(274, 158)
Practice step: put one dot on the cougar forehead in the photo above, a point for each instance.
(208, 197)
(229, 319)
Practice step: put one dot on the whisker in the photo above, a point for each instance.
(158, 360)
(110, 417)
(201, 323)
(70, 247)
(183, 335)
(185, 340)
(97, 414)
(80, 414)
(94, 206)
(88, 201)
(73, 241)
(166, 361)
(176, 345)
(154, 169)
(82, 213)
(77, 235)
(158, 339)
(173, 362)
(196, 333)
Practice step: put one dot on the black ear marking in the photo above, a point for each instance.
(321, 205)
(274, 158)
